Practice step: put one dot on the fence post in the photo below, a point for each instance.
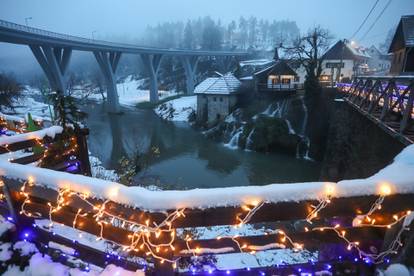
(83, 153)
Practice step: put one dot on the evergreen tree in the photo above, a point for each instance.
(188, 42)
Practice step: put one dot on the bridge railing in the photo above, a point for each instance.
(102, 43)
(159, 228)
(389, 100)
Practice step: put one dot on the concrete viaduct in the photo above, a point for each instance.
(53, 52)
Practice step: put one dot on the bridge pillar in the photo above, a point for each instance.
(152, 65)
(108, 62)
(54, 63)
(190, 67)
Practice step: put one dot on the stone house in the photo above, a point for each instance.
(216, 98)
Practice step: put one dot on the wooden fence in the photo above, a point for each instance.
(76, 159)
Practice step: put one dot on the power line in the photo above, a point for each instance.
(365, 20)
(376, 20)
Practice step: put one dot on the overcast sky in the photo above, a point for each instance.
(129, 17)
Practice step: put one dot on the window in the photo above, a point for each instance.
(214, 99)
(221, 99)
(285, 81)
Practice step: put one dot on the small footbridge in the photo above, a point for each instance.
(387, 101)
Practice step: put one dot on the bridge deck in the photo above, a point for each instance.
(387, 101)
(20, 34)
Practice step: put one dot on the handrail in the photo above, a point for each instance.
(117, 213)
(87, 42)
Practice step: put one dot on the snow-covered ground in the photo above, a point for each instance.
(99, 171)
(177, 109)
(26, 104)
(129, 93)
(42, 264)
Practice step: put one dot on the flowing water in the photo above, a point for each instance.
(186, 158)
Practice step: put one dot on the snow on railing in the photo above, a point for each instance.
(399, 175)
(39, 134)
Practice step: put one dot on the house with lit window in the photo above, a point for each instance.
(343, 61)
(402, 46)
(278, 79)
(379, 63)
(216, 98)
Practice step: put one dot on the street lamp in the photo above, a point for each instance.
(26, 20)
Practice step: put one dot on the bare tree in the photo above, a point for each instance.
(308, 50)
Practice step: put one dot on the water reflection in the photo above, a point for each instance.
(186, 159)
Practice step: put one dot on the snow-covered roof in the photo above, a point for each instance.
(226, 84)
(280, 67)
(256, 62)
(345, 51)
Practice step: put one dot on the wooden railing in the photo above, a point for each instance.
(17, 124)
(288, 217)
(35, 150)
(279, 87)
(385, 100)
(164, 239)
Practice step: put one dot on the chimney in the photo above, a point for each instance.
(276, 56)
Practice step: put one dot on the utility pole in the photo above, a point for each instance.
(338, 76)
(93, 36)
(26, 20)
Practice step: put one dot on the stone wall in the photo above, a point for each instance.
(219, 106)
(356, 147)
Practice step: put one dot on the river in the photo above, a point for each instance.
(186, 158)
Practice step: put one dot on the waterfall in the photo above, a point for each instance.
(249, 141)
(305, 139)
(278, 112)
(268, 110)
(305, 117)
(291, 130)
(234, 141)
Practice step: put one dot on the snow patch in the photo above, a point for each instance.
(26, 248)
(39, 134)
(177, 109)
(5, 252)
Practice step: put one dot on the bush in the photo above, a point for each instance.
(10, 90)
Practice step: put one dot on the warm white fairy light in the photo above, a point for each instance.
(329, 190)
(145, 236)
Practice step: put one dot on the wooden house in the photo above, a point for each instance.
(343, 61)
(277, 79)
(402, 47)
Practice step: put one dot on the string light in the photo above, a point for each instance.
(146, 236)
(328, 193)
